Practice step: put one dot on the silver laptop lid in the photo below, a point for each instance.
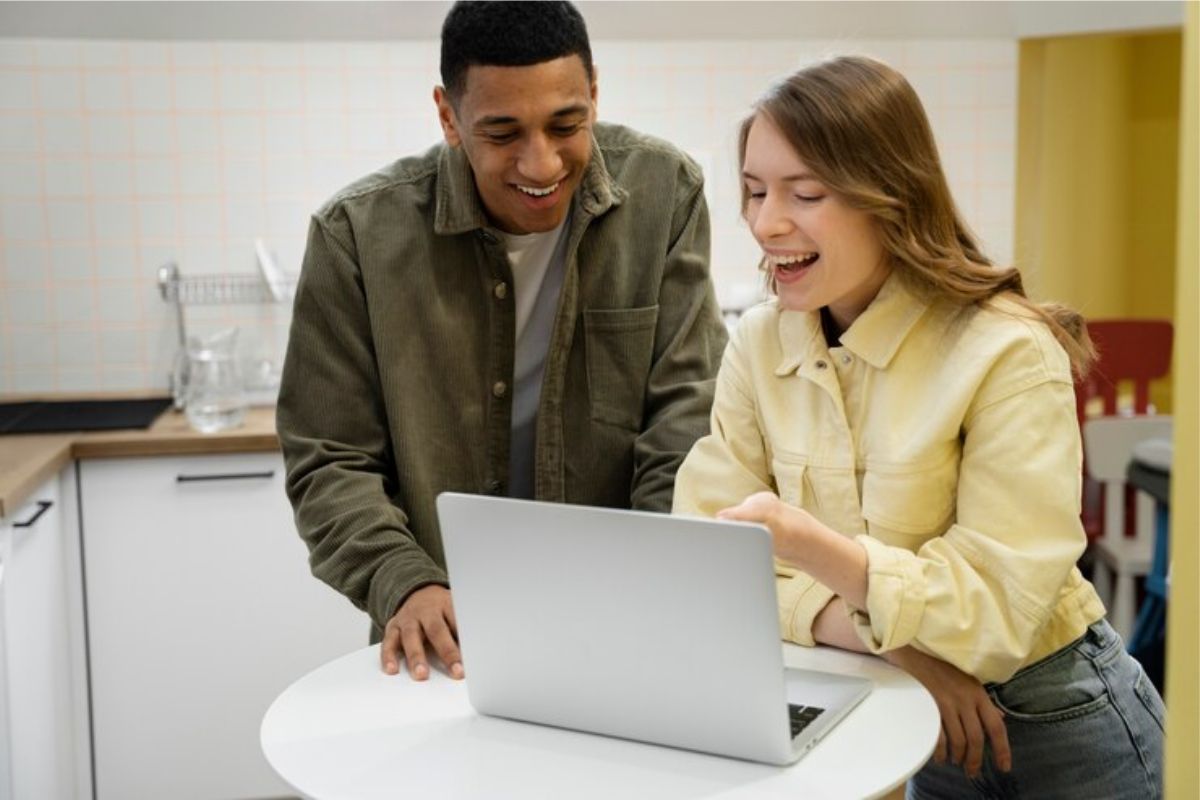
(643, 626)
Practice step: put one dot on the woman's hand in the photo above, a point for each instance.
(802, 540)
(791, 528)
(968, 714)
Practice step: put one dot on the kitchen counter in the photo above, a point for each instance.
(27, 460)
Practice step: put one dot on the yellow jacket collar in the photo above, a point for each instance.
(874, 337)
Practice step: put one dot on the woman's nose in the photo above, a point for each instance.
(771, 220)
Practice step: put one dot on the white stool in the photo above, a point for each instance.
(1120, 559)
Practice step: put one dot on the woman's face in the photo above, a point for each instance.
(821, 252)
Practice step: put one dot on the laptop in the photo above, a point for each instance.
(630, 624)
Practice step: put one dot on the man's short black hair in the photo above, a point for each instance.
(498, 33)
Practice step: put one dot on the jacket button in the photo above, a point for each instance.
(500, 290)
(846, 359)
(488, 237)
(821, 365)
(499, 389)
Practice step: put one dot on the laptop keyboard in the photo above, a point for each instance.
(801, 716)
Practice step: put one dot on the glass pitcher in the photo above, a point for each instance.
(214, 396)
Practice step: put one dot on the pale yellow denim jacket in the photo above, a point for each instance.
(944, 440)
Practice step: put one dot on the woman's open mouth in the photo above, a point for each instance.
(791, 267)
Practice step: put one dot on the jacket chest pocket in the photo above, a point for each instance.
(619, 345)
(791, 482)
(908, 506)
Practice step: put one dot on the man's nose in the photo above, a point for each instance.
(539, 160)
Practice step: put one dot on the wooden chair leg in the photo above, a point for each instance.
(1122, 611)
(1102, 580)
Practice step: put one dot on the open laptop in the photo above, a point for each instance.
(630, 624)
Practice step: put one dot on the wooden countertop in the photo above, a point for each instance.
(28, 460)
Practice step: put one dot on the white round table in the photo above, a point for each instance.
(346, 730)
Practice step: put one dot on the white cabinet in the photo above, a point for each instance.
(42, 688)
(201, 609)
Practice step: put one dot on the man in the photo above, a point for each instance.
(525, 310)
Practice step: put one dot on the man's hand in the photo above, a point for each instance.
(426, 616)
(968, 714)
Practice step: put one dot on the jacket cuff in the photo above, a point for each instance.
(394, 582)
(895, 597)
(801, 599)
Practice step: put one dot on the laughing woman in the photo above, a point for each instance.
(902, 419)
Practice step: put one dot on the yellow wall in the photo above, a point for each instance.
(1183, 627)
(1097, 167)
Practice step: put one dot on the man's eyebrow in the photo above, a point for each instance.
(498, 119)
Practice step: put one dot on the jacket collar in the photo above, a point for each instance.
(458, 208)
(875, 336)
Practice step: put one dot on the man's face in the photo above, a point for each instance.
(527, 133)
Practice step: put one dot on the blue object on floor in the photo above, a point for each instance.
(1150, 472)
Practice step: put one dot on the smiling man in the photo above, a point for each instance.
(524, 310)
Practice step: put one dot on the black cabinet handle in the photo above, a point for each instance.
(43, 507)
(227, 476)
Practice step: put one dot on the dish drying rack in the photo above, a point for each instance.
(218, 289)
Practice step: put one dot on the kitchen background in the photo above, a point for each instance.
(136, 134)
(119, 156)
(133, 135)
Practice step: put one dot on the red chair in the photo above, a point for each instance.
(1131, 351)
(1130, 354)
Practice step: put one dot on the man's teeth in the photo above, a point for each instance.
(789, 260)
(537, 192)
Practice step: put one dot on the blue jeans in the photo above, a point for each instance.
(1084, 722)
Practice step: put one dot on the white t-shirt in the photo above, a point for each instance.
(537, 261)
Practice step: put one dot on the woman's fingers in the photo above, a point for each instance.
(997, 734)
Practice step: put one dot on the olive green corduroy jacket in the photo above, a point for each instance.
(400, 358)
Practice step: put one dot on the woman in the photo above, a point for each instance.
(902, 419)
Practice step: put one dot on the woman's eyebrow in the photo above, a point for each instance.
(799, 176)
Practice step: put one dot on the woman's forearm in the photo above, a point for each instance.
(833, 627)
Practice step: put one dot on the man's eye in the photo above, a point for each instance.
(499, 137)
(566, 130)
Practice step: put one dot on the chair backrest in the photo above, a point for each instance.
(1134, 350)
(1110, 441)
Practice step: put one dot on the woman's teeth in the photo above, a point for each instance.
(529, 190)
(793, 261)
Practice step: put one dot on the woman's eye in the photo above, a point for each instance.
(756, 195)
(810, 198)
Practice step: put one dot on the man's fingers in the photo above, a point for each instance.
(413, 642)
(445, 646)
(939, 751)
(997, 733)
(389, 650)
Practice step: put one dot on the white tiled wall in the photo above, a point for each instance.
(116, 157)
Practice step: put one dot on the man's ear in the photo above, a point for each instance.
(595, 92)
(447, 117)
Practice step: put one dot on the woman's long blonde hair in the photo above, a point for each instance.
(861, 130)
